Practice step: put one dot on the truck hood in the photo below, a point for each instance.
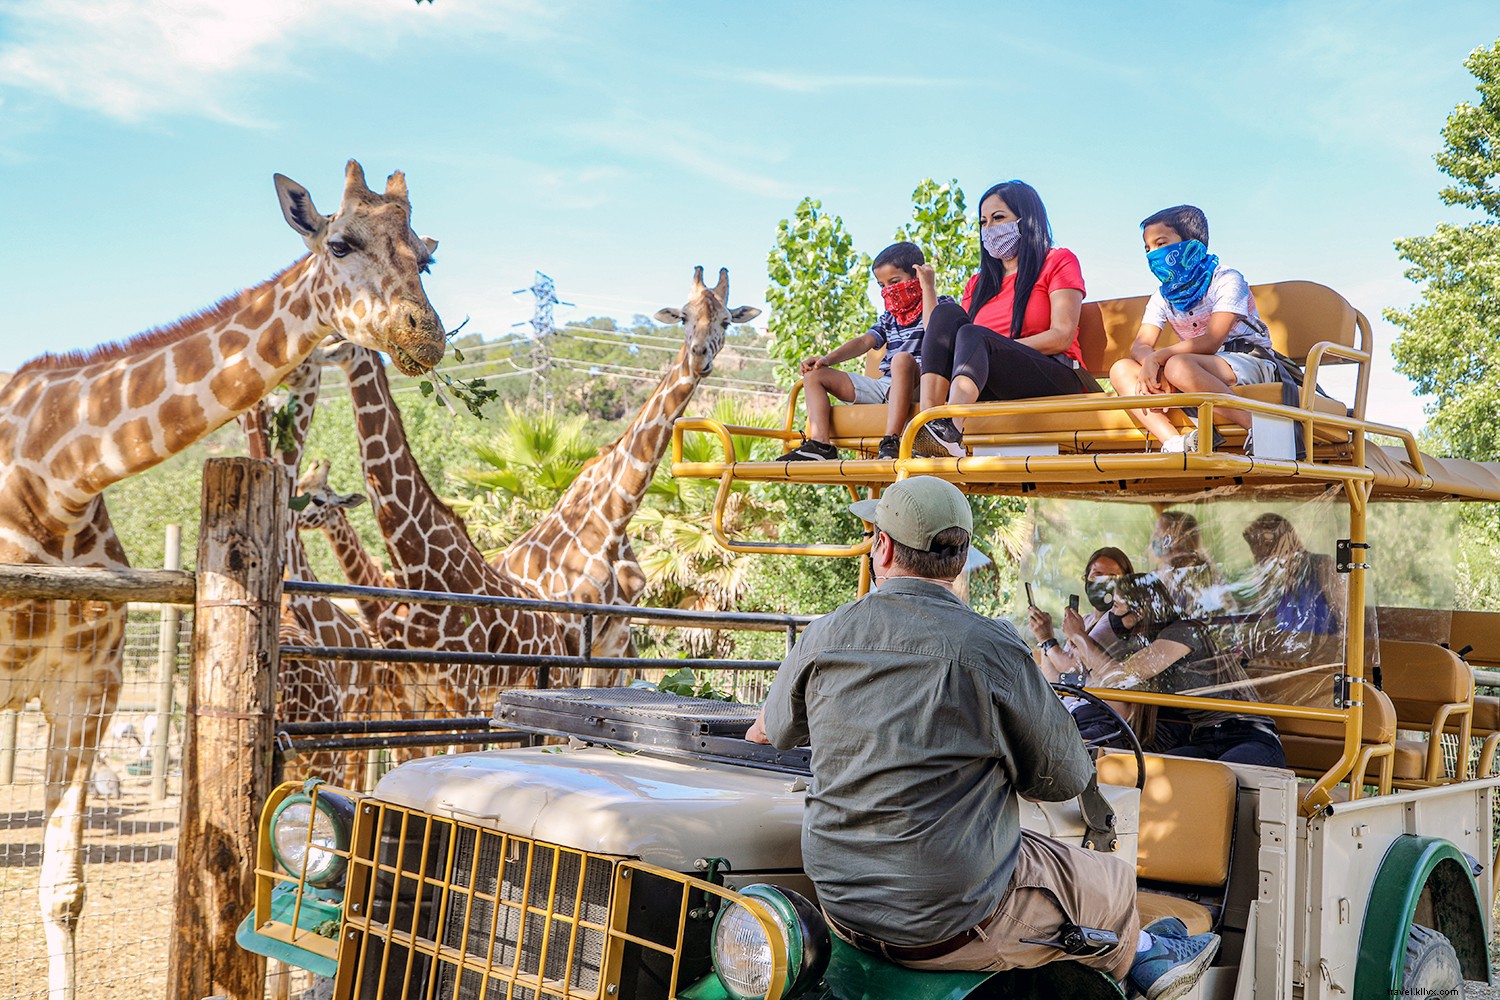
(667, 812)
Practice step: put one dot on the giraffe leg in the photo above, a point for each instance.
(72, 745)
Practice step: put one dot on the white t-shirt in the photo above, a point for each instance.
(1227, 292)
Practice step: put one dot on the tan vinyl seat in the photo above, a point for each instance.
(1299, 314)
(1186, 839)
(1429, 687)
(1313, 746)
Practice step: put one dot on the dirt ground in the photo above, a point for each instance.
(130, 846)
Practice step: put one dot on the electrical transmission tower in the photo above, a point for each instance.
(545, 292)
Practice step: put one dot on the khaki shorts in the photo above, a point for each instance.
(870, 390)
(1054, 882)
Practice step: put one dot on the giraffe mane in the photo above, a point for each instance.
(160, 336)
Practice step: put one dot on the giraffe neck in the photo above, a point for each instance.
(615, 485)
(87, 427)
(286, 451)
(360, 568)
(427, 543)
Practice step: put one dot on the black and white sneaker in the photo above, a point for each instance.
(940, 439)
(890, 448)
(811, 451)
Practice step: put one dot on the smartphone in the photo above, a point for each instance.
(1072, 602)
(1030, 601)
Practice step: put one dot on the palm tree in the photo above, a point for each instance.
(529, 464)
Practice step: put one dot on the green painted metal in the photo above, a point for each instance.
(283, 904)
(855, 975)
(1411, 864)
(707, 988)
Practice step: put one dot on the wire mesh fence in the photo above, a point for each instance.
(129, 824)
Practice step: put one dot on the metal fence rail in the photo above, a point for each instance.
(380, 729)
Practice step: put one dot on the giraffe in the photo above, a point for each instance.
(326, 511)
(72, 425)
(430, 549)
(579, 551)
(309, 690)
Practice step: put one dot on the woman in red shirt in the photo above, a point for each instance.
(1016, 334)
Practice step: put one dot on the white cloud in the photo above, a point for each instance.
(134, 60)
(660, 141)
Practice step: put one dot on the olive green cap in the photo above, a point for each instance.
(914, 511)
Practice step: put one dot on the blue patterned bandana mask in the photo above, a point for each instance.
(1002, 239)
(1184, 270)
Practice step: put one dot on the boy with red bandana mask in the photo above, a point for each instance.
(899, 330)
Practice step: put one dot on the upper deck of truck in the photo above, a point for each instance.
(1088, 446)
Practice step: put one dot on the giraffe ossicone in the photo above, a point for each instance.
(72, 425)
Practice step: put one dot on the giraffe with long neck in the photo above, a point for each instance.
(327, 511)
(580, 551)
(430, 549)
(72, 425)
(318, 690)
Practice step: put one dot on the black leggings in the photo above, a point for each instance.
(1001, 367)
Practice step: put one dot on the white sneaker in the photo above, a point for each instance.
(1174, 446)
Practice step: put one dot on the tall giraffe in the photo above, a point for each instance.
(74, 424)
(326, 511)
(580, 551)
(430, 549)
(309, 690)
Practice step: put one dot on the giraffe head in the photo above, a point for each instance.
(322, 500)
(707, 317)
(368, 265)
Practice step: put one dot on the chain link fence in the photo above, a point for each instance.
(130, 825)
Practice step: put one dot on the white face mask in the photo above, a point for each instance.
(1002, 240)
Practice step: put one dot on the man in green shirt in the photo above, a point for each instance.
(926, 721)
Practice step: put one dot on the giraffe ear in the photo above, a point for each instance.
(430, 243)
(297, 206)
(668, 317)
(744, 314)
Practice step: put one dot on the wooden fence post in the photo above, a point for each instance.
(226, 769)
(166, 672)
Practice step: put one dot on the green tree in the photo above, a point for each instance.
(819, 292)
(944, 231)
(1448, 346)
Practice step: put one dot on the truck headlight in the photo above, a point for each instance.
(309, 830)
(742, 951)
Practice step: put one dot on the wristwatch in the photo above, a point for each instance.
(1047, 644)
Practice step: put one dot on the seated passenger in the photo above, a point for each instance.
(1174, 656)
(927, 722)
(1221, 340)
(1016, 334)
(1289, 581)
(1181, 562)
(899, 330)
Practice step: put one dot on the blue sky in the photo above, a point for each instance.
(616, 145)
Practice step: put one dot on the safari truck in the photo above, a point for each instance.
(656, 854)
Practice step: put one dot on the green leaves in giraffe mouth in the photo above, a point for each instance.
(473, 393)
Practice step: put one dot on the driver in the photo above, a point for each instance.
(926, 721)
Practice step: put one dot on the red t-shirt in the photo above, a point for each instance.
(1059, 270)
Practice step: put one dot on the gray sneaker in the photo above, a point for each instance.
(890, 448)
(939, 438)
(1170, 967)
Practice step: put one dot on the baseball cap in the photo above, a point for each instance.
(915, 510)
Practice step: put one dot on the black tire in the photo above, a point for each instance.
(1431, 968)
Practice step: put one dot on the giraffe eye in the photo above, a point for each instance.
(339, 248)
(724, 323)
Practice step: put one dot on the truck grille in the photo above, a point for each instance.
(442, 910)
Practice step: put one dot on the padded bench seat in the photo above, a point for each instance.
(1299, 314)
